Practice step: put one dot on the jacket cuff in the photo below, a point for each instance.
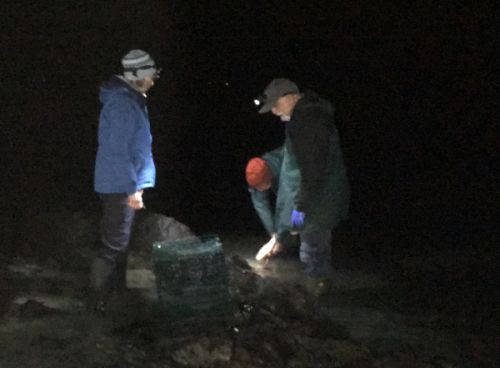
(281, 236)
(131, 191)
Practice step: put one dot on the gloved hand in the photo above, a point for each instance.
(297, 218)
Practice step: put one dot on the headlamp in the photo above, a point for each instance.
(260, 100)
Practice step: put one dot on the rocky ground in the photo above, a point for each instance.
(437, 311)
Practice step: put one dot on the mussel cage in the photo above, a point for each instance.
(191, 277)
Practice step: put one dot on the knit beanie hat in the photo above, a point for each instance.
(138, 64)
(258, 174)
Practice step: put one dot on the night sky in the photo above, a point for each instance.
(417, 109)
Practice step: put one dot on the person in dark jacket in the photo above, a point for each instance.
(313, 177)
(124, 167)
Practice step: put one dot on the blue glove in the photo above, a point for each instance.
(297, 218)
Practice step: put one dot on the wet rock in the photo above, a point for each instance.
(273, 318)
(276, 324)
(33, 309)
(311, 351)
(155, 227)
(348, 353)
(243, 281)
(270, 354)
(46, 303)
(240, 263)
(241, 356)
(204, 353)
(24, 267)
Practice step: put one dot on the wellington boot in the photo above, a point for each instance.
(101, 278)
(102, 274)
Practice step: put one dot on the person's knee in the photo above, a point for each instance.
(307, 256)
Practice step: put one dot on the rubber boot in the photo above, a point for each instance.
(101, 276)
(120, 282)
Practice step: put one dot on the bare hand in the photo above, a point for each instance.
(135, 200)
(277, 248)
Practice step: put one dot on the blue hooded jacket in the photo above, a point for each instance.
(124, 162)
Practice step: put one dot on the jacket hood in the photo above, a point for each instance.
(115, 87)
(312, 100)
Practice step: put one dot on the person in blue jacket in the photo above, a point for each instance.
(313, 192)
(124, 167)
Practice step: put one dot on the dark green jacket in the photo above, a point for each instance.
(313, 176)
(264, 202)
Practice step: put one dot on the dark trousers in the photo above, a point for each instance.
(316, 252)
(110, 266)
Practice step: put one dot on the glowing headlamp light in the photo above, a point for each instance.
(260, 100)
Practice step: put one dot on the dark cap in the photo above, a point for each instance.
(278, 87)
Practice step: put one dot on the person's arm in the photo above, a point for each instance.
(117, 137)
(262, 205)
(140, 147)
(310, 140)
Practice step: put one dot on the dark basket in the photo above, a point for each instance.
(191, 277)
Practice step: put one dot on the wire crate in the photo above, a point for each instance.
(191, 277)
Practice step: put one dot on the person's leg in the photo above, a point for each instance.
(121, 272)
(291, 247)
(315, 253)
(109, 268)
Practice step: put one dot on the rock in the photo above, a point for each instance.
(204, 353)
(243, 281)
(347, 353)
(241, 355)
(155, 227)
(33, 309)
(271, 355)
(240, 263)
(25, 268)
(318, 352)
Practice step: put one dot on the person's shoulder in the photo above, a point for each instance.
(313, 104)
(312, 100)
(314, 113)
(116, 90)
(275, 152)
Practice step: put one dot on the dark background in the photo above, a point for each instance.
(414, 88)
